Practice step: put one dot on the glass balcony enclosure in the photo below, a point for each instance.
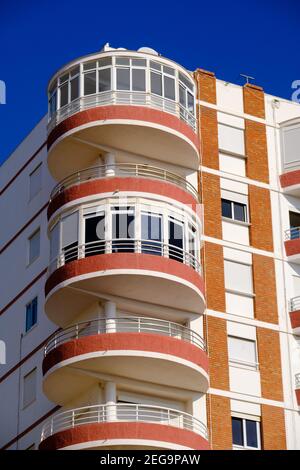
(122, 78)
(131, 227)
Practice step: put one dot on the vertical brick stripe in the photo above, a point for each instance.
(257, 167)
(219, 422)
(254, 100)
(269, 364)
(273, 428)
(209, 137)
(214, 277)
(211, 199)
(206, 86)
(261, 235)
(218, 353)
(264, 281)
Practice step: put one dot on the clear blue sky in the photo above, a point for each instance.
(258, 37)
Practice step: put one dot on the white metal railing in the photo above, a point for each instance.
(122, 413)
(292, 233)
(123, 97)
(122, 170)
(124, 325)
(297, 381)
(125, 245)
(294, 304)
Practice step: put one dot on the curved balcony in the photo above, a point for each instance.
(295, 314)
(129, 268)
(129, 177)
(158, 351)
(297, 381)
(104, 427)
(121, 100)
(292, 244)
(290, 182)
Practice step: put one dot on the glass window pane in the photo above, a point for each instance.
(240, 349)
(75, 71)
(151, 234)
(237, 431)
(95, 235)
(123, 79)
(64, 99)
(35, 182)
(89, 83)
(139, 62)
(52, 104)
(34, 246)
(175, 240)
(138, 80)
(89, 65)
(104, 62)
(186, 81)
(104, 80)
(31, 314)
(74, 88)
(155, 65)
(156, 83)
(190, 103)
(54, 241)
(122, 61)
(168, 70)
(169, 88)
(64, 78)
(239, 211)
(182, 96)
(29, 388)
(251, 432)
(122, 231)
(226, 208)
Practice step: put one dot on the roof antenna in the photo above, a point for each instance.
(247, 78)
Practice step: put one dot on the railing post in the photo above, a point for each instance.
(73, 419)
(51, 427)
(76, 335)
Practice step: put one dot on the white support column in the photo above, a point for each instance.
(109, 160)
(110, 310)
(110, 394)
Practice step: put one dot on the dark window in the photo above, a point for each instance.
(294, 225)
(251, 432)
(151, 234)
(156, 83)
(239, 211)
(104, 80)
(64, 90)
(95, 235)
(74, 88)
(123, 79)
(175, 240)
(237, 432)
(122, 230)
(226, 209)
(90, 83)
(31, 314)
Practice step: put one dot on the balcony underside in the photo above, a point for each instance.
(142, 131)
(144, 357)
(290, 183)
(146, 278)
(292, 249)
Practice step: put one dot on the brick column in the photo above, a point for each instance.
(265, 302)
(273, 428)
(261, 234)
(219, 422)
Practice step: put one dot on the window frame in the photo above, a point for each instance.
(31, 401)
(38, 167)
(30, 261)
(244, 433)
(27, 330)
(238, 363)
(233, 203)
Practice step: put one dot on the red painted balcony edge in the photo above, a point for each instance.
(127, 341)
(295, 319)
(110, 184)
(298, 396)
(125, 430)
(292, 247)
(111, 112)
(136, 261)
(290, 178)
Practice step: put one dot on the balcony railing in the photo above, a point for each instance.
(292, 233)
(125, 325)
(294, 304)
(122, 170)
(122, 413)
(126, 98)
(297, 381)
(126, 245)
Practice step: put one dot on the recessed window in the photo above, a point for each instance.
(245, 433)
(234, 210)
(238, 277)
(294, 225)
(231, 139)
(35, 181)
(123, 79)
(156, 83)
(34, 246)
(242, 352)
(90, 83)
(104, 80)
(31, 314)
(29, 388)
(151, 233)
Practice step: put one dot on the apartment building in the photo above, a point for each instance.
(150, 263)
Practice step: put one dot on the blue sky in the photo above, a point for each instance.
(259, 38)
